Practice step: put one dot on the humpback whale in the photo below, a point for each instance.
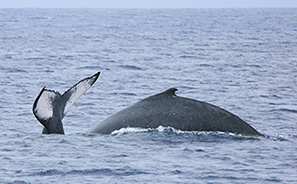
(164, 109)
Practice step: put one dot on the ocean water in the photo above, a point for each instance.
(243, 60)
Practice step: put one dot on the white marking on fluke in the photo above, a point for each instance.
(44, 107)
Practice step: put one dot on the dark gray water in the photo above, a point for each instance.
(243, 60)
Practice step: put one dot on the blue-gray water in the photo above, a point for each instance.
(243, 60)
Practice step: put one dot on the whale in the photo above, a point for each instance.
(163, 109)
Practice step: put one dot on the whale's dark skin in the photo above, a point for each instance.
(165, 109)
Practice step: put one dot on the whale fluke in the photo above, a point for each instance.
(50, 106)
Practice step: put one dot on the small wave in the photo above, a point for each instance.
(40, 18)
(177, 172)
(18, 182)
(287, 110)
(130, 67)
(128, 94)
(13, 70)
(188, 56)
(125, 171)
(206, 65)
(284, 108)
(280, 138)
(254, 66)
(106, 172)
(50, 172)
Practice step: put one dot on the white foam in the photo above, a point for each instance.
(129, 130)
(137, 130)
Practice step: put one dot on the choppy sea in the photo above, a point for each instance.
(242, 60)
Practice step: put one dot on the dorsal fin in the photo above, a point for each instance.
(170, 91)
(50, 106)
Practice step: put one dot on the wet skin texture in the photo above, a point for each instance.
(167, 109)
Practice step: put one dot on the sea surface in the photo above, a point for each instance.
(242, 60)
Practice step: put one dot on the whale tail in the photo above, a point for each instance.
(50, 106)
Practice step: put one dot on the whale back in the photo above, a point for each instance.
(168, 109)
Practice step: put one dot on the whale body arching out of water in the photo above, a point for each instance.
(164, 109)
